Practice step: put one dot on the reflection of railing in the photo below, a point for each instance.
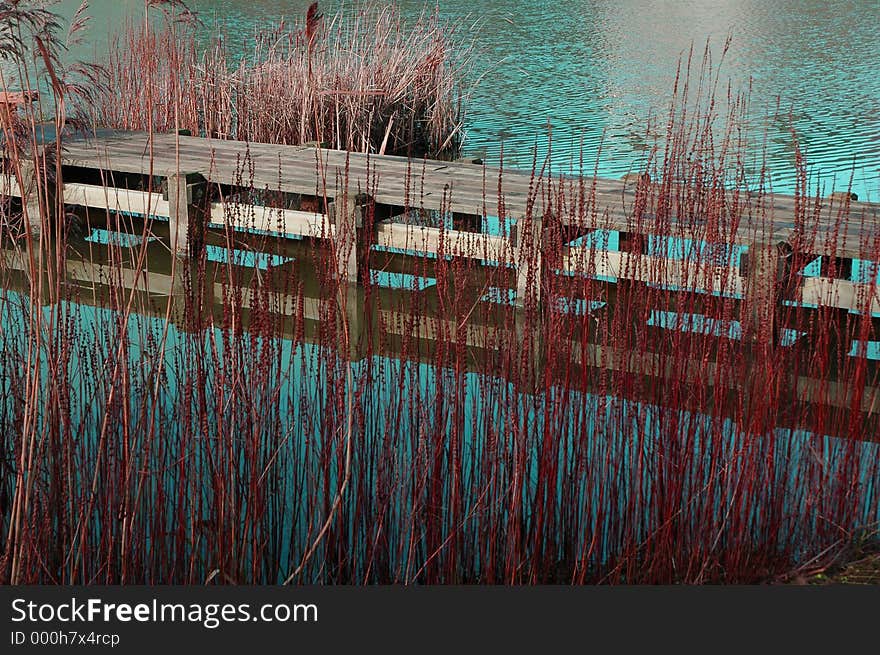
(806, 389)
(393, 320)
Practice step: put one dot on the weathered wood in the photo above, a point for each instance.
(283, 222)
(452, 243)
(9, 186)
(116, 200)
(37, 193)
(762, 293)
(842, 294)
(298, 170)
(529, 260)
(353, 315)
(473, 189)
(462, 188)
(185, 194)
(530, 346)
(346, 213)
(679, 273)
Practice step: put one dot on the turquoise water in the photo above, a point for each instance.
(596, 70)
(396, 399)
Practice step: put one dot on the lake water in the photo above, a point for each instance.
(594, 70)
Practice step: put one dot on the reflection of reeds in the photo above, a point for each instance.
(364, 81)
(181, 421)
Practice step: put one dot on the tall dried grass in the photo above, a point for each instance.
(365, 81)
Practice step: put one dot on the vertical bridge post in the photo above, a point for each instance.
(527, 249)
(35, 188)
(764, 285)
(527, 258)
(764, 288)
(185, 194)
(347, 214)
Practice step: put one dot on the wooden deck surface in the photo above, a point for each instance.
(430, 184)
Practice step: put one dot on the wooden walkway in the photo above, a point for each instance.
(453, 186)
(188, 164)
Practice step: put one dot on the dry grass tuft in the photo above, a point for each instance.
(363, 81)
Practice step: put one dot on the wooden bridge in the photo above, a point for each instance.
(196, 181)
(323, 194)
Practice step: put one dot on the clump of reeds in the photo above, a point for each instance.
(361, 80)
(33, 322)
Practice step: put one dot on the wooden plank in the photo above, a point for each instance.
(840, 293)
(16, 260)
(237, 215)
(9, 186)
(454, 243)
(302, 177)
(653, 270)
(283, 222)
(164, 145)
(473, 189)
(38, 193)
(529, 260)
(116, 199)
(762, 291)
(347, 215)
(186, 196)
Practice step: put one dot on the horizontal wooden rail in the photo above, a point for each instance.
(116, 200)
(453, 243)
(842, 294)
(280, 222)
(283, 222)
(654, 270)
(9, 186)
